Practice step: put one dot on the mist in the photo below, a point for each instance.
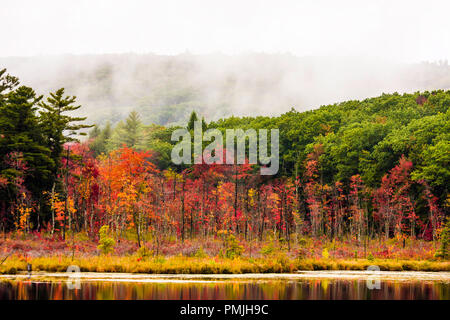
(217, 85)
(167, 58)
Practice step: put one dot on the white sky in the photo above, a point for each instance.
(400, 30)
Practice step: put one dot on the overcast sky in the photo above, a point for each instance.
(409, 31)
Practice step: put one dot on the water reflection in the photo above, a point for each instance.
(321, 289)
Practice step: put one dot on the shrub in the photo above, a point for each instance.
(325, 253)
(233, 248)
(144, 252)
(443, 251)
(106, 244)
(301, 253)
(200, 253)
(302, 242)
(283, 260)
(370, 257)
(267, 250)
(81, 237)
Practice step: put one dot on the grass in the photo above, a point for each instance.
(208, 265)
(209, 256)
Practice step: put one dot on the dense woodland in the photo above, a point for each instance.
(376, 168)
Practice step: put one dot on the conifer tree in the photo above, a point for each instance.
(58, 127)
(21, 135)
(133, 128)
(95, 132)
(193, 117)
(100, 139)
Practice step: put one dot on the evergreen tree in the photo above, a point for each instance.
(7, 83)
(21, 135)
(133, 129)
(193, 117)
(100, 139)
(95, 132)
(58, 127)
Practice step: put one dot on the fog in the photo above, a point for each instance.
(166, 58)
(403, 30)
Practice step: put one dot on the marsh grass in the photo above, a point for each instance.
(210, 265)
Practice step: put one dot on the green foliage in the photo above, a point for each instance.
(58, 127)
(268, 249)
(100, 138)
(129, 132)
(192, 119)
(357, 137)
(370, 257)
(106, 244)
(200, 253)
(33, 132)
(23, 142)
(233, 248)
(444, 250)
(132, 128)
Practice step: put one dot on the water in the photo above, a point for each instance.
(302, 286)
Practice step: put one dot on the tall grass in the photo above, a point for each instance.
(207, 265)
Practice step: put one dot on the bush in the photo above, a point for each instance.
(144, 252)
(267, 250)
(443, 251)
(106, 244)
(283, 260)
(81, 237)
(325, 253)
(370, 257)
(302, 242)
(301, 253)
(233, 248)
(200, 253)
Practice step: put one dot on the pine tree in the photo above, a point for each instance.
(100, 139)
(21, 134)
(95, 132)
(133, 130)
(58, 127)
(444, 251)
(7, 84)
(193, 117)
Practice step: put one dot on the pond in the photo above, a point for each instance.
(308, 285)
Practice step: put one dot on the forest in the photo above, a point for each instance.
(361, 179)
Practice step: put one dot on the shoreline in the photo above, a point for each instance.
(201, 278)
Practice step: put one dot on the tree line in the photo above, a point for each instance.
(33, 131)
(358, 169)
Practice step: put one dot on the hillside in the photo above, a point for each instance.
(365, 137)
(166, 89)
